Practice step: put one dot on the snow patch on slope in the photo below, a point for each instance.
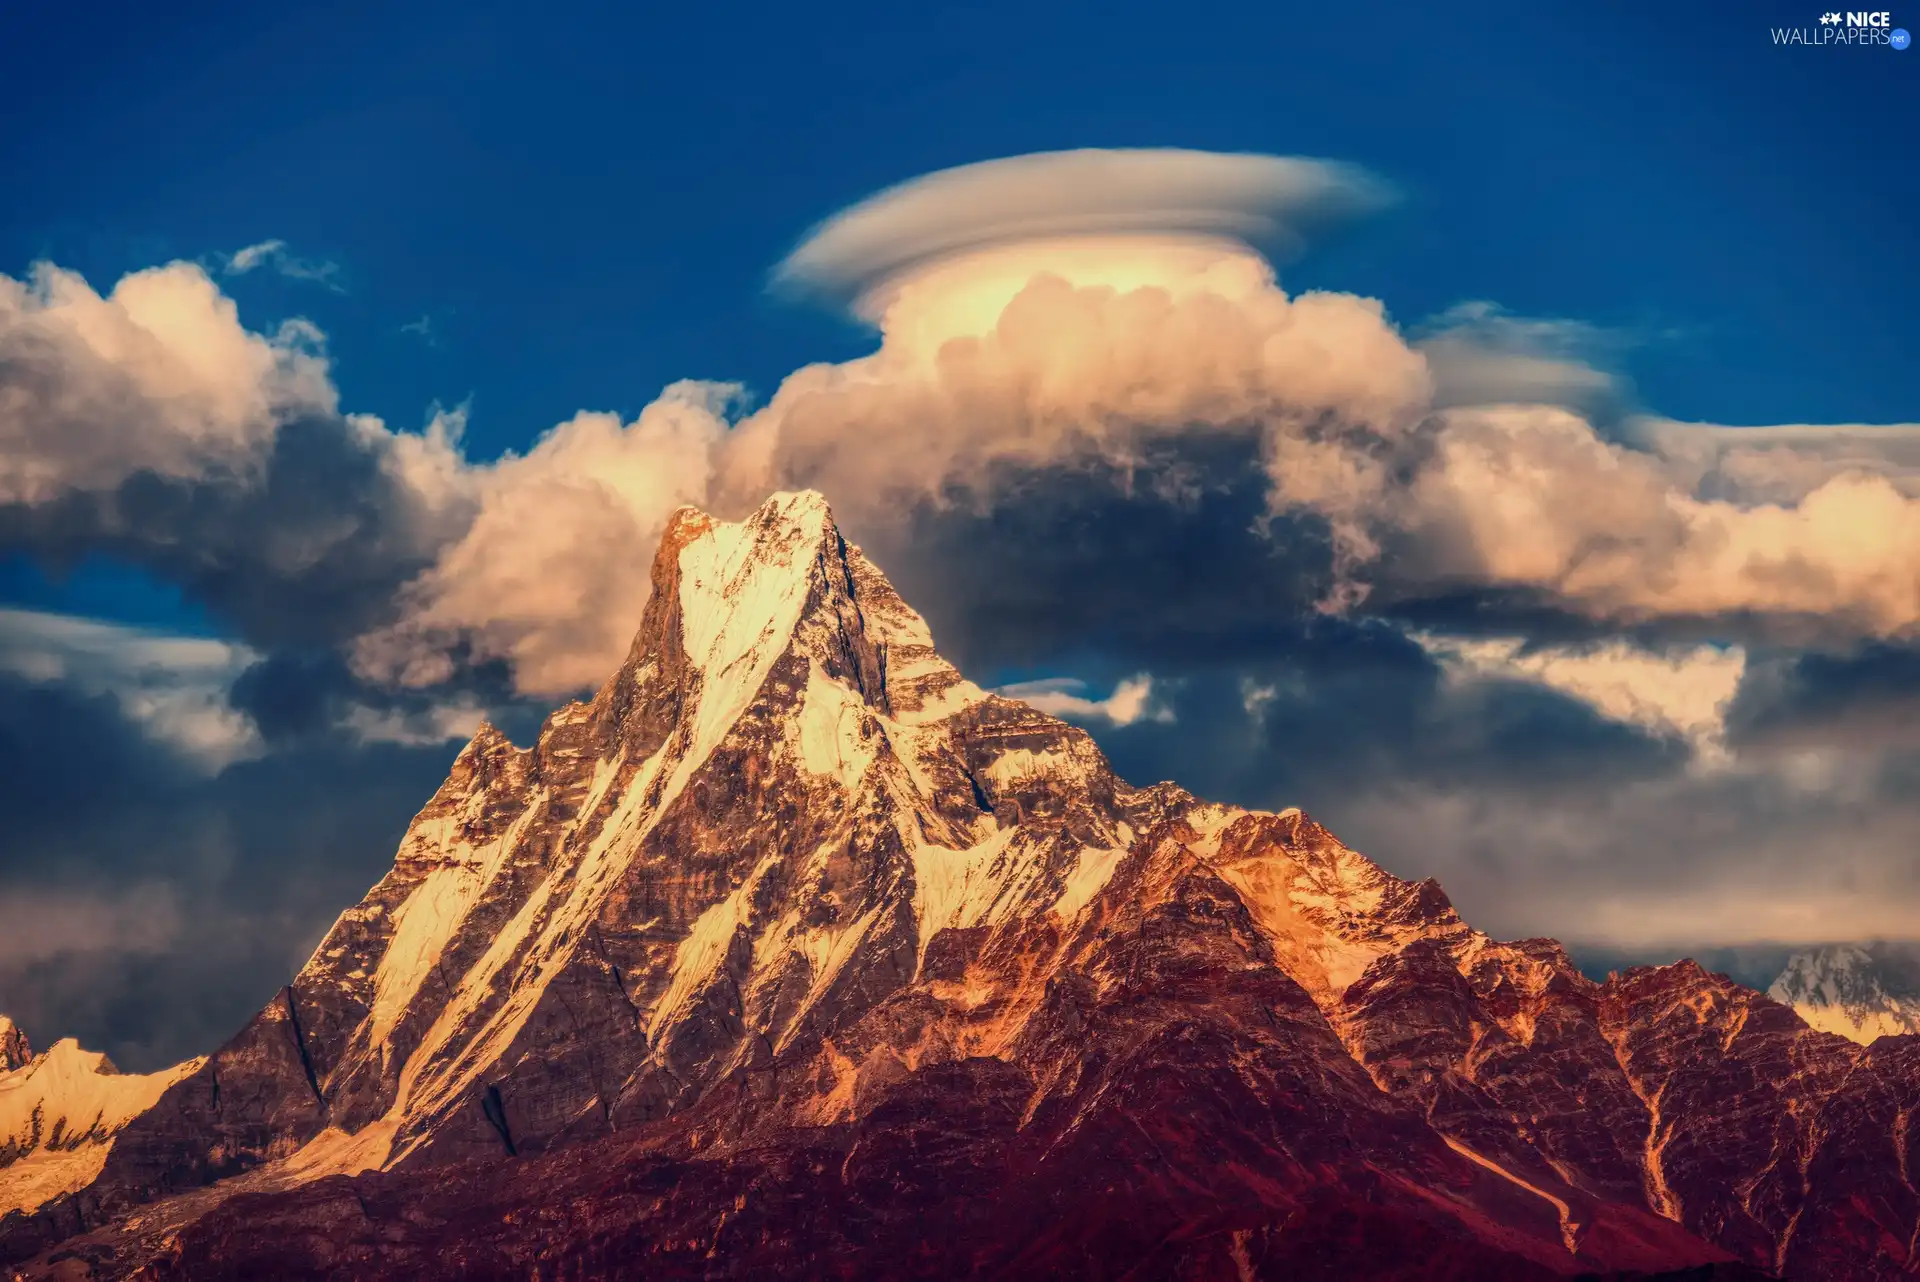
(834, 730)
(1017, 765)
(429, 918)
(939, 694)
(1090, 876)
(958, 889)
(740, 598)
(700, 956)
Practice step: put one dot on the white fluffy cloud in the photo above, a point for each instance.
(1534, 499)
(1683, 693)
(1066, 697)
(159, 375)
(1067, 371)
(552, 574)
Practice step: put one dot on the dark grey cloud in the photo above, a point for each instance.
(1864, 701)
(66, 752)
(1176, 560)
(308, 548)
(1339, 709)
(305, 696)
(149, 909)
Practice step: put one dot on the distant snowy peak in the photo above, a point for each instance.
(1861, 991)
(14, 1048)
(59, 1112)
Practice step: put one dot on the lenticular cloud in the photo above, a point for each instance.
(1269, 203)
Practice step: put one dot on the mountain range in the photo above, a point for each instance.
(793, 953)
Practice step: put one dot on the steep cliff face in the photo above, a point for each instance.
(792, 953)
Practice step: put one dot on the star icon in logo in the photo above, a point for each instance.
(1829, 19)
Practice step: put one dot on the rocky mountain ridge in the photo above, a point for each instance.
(15, 1050)
(793, 953)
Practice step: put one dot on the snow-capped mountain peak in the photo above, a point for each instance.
(772, 659)
(1862, 991)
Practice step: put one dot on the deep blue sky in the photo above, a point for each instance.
(585, 201)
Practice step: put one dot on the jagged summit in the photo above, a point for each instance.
(792, 947)
(15, 1050)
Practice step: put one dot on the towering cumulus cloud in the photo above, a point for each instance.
(1078, 309)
